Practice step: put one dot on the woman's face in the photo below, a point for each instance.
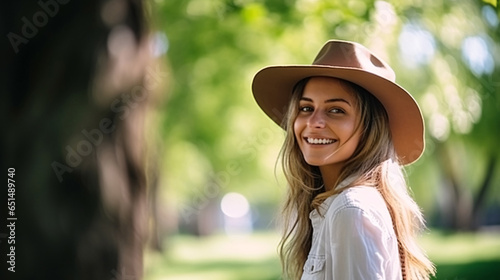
(325, 127)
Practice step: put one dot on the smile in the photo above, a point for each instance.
(319, 141)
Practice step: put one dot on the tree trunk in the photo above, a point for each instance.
(451, 195)
(73, 124)
(483, 190)
(459, 208)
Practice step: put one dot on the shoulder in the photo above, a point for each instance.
(362, 197)
(360, 202)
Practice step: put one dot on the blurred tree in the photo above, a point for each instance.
(76, 84)
(454, 71)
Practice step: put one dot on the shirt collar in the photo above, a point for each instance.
(326, 204)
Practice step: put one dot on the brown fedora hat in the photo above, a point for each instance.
(272, 88)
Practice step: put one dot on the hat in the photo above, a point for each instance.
(272, 89)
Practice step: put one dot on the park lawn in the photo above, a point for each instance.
(219, 257)
(464, 256)
(458, 256)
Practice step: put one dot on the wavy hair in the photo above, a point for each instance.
(374, 163)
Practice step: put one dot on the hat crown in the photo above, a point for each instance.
(353, 55)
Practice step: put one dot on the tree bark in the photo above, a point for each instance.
(483, 190)
(74, 140)
(451, 196)
(460, 209)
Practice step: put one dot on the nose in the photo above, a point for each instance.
(316, 120)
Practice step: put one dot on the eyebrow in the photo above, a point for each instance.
(328, 100)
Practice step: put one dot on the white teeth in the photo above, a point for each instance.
(319, 141)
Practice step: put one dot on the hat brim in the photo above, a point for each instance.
(272, 88)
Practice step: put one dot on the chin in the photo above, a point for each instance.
(315, 162)
(319, 162)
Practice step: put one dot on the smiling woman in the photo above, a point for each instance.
(349, 128)
(326, 125)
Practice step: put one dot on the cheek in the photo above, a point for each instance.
(355, 139)
(355, 136)
(297, 128)
(348, 128)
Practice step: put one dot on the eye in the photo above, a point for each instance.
(336, 111)
(306, 109)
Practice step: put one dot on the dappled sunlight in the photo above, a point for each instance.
(490, 15)
(449, 105)
(385, 15)
(439, 127)
(477, 55)
(417, 45)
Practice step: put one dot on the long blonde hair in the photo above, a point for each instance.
(374, 162)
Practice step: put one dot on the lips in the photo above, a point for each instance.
(319, 141)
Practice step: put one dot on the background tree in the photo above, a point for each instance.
(76, 83)
(455, 77)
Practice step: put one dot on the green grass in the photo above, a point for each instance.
(217, 257)
(464, 256)
(458, 256)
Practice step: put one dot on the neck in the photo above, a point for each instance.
(330, 175)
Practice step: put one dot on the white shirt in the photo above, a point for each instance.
(354, 239)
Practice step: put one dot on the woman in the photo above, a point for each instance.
(349, 129)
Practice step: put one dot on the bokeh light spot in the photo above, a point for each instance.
(234, 205)
(416, 45)
(477, 56)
